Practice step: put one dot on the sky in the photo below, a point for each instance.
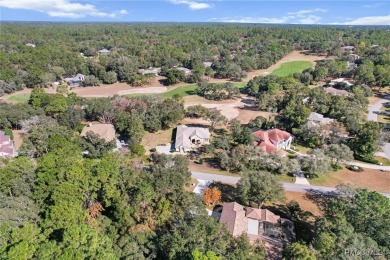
(255, 11)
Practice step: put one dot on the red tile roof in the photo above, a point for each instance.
(267, 139)
(233, 215)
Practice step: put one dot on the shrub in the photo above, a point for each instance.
(354, 168)
(152, 150)
(8, 131)
(367, 160)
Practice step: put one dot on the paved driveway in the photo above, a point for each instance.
(375, 107)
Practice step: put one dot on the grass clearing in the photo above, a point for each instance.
(300, 148)
(285, 178)
(240, 85)
(292, 67)
(384, 161)
(181, 91)
(193, 166)
(20, 98)
(151, 140)
(188, 90)
(375, 180)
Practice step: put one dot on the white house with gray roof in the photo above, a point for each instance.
(316, 119)
(189, 138)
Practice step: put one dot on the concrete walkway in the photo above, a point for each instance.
(287, 186)
(375, 107)
(301, 180)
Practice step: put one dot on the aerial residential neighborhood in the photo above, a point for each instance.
(199, 130)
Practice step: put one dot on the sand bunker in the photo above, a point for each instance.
(151, 90)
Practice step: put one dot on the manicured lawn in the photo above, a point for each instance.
(292, 67)
(181, 91)
(240, 85)
(300, 148)
(20, 98)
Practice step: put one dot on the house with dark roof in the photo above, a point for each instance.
(257, 224)
(272, 140)
(189, 138)
(7, 148)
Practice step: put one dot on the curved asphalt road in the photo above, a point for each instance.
(375, 107)
(287, 186)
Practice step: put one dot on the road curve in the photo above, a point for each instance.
(287, 186)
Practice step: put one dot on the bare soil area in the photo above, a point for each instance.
(18, 138)
(230, 108)
(305, 203)
(245, 115)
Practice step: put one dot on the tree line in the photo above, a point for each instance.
(62, 50)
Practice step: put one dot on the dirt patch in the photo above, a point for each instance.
(372, 100)
(18, 138)
(150, 90)
(246, 115)
(194, 121)
(229, 108)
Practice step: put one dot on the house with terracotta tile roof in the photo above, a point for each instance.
(272, 140)
(7, 148)
(257, 224)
